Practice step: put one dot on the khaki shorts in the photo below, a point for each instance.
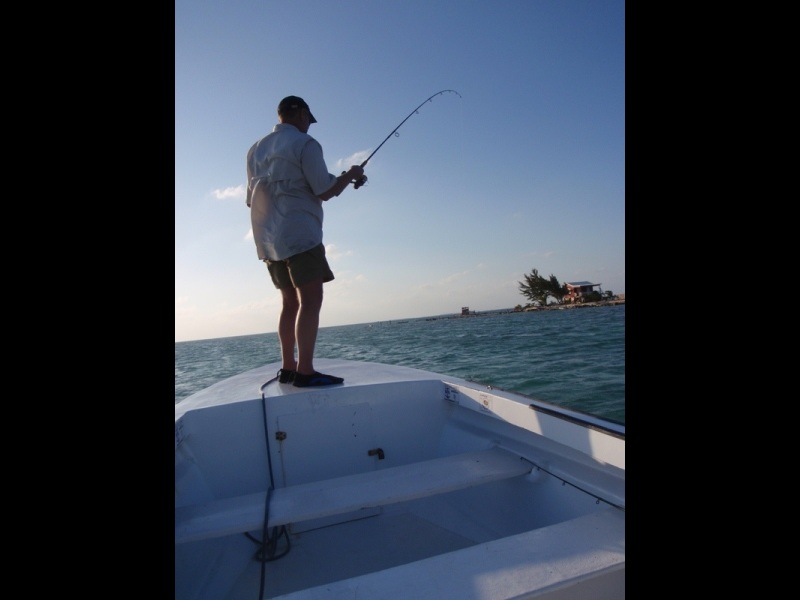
(300, 269)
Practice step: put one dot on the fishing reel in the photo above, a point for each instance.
(358, 182)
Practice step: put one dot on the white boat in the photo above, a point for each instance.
(399, 483)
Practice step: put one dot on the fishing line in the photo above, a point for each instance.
(363, 179)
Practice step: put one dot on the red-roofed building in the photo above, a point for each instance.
(576, 290)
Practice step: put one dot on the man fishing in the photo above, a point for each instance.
(287, 181)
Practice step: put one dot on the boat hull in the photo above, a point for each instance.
(400, 483)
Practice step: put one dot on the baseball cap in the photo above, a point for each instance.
(291, 102)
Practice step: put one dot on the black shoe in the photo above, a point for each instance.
(316, 379)
(285, 376)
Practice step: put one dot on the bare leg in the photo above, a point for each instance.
(286, 328)
(307, 324)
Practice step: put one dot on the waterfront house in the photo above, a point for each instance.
(576, 290)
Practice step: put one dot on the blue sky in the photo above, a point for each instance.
(524, 170)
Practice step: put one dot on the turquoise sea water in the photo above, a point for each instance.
(572, 357)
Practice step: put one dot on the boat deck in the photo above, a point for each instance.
(397, 485)
(330, 554)
(400, 555)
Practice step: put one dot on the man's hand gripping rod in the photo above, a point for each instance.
(359, 182)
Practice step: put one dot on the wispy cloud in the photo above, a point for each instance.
(230, 192)
(452, 278)
(354, 159)
(333, 252)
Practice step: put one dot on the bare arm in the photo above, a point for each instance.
(342, 181)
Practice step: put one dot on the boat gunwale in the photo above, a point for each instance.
(395, 374)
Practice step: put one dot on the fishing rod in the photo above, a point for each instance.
(363, 180)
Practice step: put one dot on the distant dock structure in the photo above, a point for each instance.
(465, 311)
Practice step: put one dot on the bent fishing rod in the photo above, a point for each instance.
(359, 182)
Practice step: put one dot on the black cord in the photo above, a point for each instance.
(266, 552)
(268, 544)
(266, 432)
(272, 543)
